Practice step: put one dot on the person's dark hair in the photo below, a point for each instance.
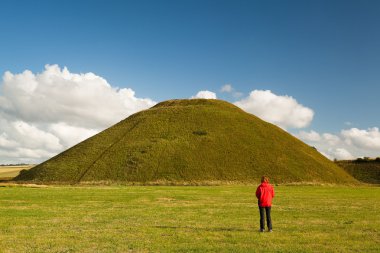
(264, 179)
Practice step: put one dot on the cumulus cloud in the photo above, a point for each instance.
(58, 95)
(31, 136)
(367, 139)
(340, 154)
(348, 144)
(205, 94)
(45, 113)
(70, 135)
(309, 136)
(331, 139)
(283, 111)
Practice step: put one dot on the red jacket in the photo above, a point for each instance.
(264, 194)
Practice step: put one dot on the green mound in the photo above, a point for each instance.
(367, 171)
(192, 141)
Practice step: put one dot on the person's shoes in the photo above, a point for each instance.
(270, 230)
(262, 230)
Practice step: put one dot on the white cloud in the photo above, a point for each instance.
(331, 139)
(226, 88)
(283, 111)
(44, 113)
(71, 135)
(77, 99)
(309, 136)
(348, 144)
(340, 154)
(366, 139)
(30, 136)
(205, 94)
(6, 142)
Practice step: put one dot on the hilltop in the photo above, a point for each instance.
(189, 140)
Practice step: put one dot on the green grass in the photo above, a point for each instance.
(187, 219)
(190, 140)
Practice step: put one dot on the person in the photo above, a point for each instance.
(264, 194)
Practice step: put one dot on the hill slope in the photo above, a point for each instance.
(189, 140)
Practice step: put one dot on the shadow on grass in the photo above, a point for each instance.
(214, 229)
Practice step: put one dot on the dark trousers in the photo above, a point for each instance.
(262, 221)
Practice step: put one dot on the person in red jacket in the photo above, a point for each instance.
(264, 194)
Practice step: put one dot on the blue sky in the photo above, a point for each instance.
(324, 54)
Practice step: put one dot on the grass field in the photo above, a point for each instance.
(7, 172)
(187, 219)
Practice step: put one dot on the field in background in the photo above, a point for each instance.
(187, 219)
(7, 172)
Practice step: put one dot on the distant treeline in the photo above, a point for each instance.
(14, 164)
(367, 159)
(361, 160)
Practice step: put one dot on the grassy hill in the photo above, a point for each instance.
(367, 171)
(190, 140)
